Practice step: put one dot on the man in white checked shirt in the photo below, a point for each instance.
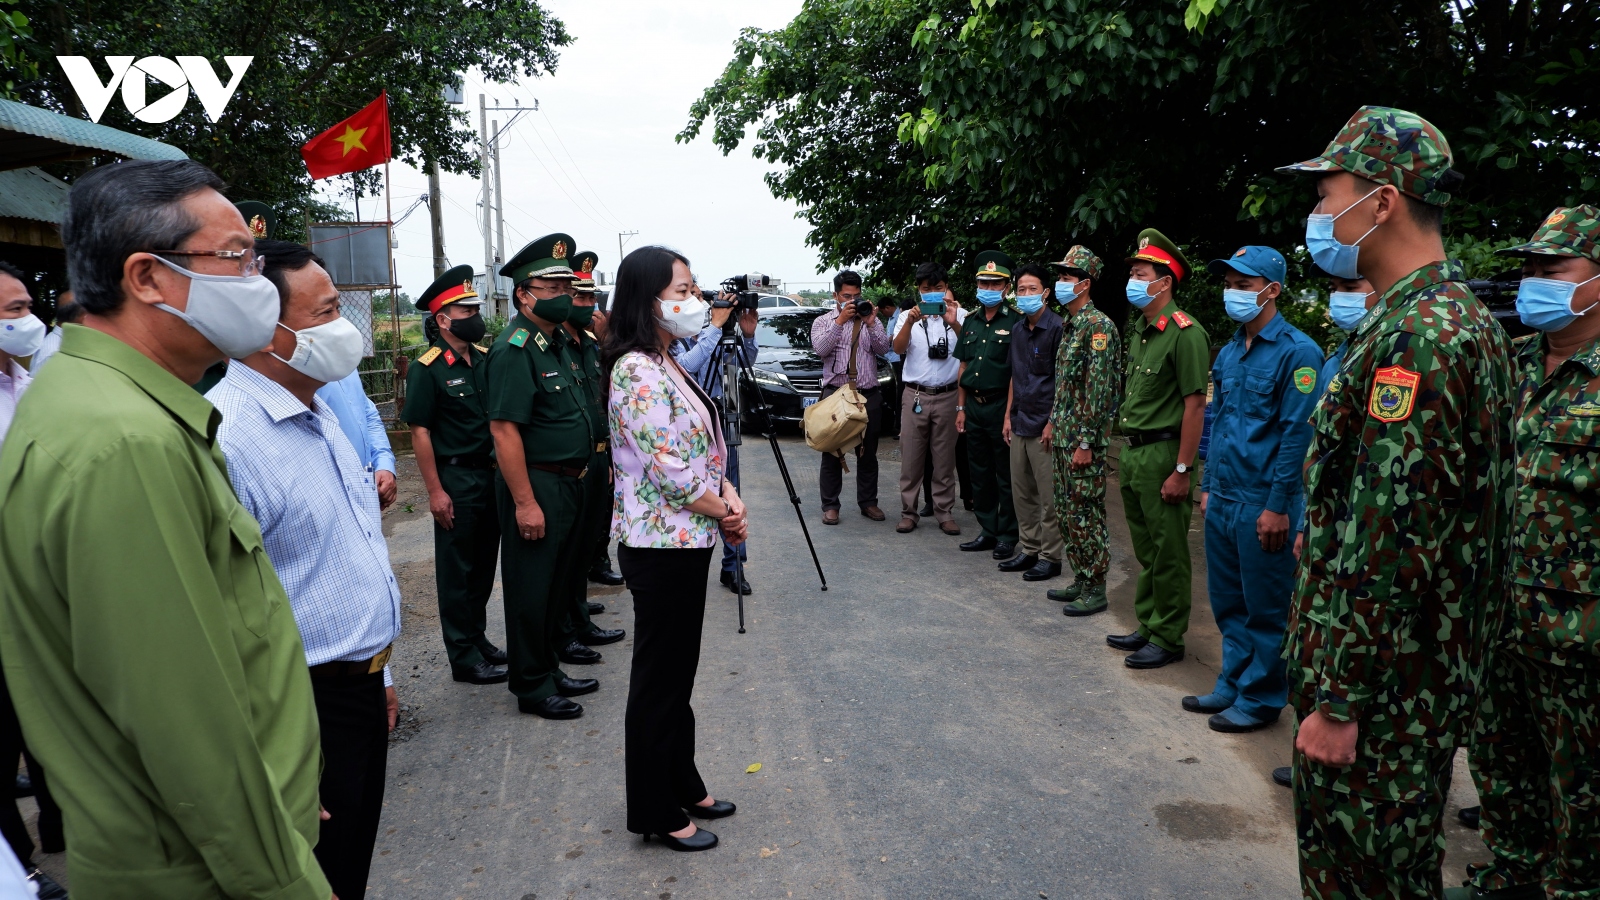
(297, 473)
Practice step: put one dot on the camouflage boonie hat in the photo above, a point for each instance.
(1081, 258)
(1389, 146)
(1567, 231)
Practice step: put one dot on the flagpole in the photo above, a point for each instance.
(394, 297)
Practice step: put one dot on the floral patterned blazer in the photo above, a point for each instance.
(664, 455)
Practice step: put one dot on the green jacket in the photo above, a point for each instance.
(150, 650)
(535, 381)
(447, 395)
(1088, 381)
(1168, 359)
(985, 346)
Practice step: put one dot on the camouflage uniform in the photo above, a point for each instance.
(1406, 485)
(1535, 750)
(1088, 387)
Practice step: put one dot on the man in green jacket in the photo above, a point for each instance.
(150, 650)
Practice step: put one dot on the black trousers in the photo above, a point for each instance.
(669, 607)
(464, 560)
(354, 716)
(831, 480)
(12, 827)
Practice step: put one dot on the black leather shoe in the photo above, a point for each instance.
(482, 673)
(926, 512)
(743, 588)
(47, 887)
(600, 637)
(491, 654)
(1004, 550)
(1283, 776)
(1151, 656)
(554, 706)
(596, 609)
(577, 654)
(605, 576)
(1128, 642)
(1018, 563)
(967, 505)
(1042, 570)
(720, 809)
(1208, 704)
(1470, 816)
(700, 840)
(576, 687)
(24, 786)
(981, 542)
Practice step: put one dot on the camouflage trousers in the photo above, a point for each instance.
(1371, 830)
(1535, 758)
(1081, 510)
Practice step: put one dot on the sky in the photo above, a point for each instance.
(599, 158)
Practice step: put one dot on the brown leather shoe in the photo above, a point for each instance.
(830, 517)
(907, 525)
(950, 527)
(873, 513)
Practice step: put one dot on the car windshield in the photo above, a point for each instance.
(786, 331)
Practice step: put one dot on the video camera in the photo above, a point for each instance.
(744, 287)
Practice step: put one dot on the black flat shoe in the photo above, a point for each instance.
(926, 512)
(599, 637)
(1019, 562)
(482, 673)
(700, 840)
(1470, 816)
(1151, 656)
(554, 706)
(1127, 642)
(720, 809)
(981, 542)
(1042, 571)
(576, 687)
(491, 654)
(596, 609)
(743, 588)
(577, 654)
(606, 577)
(1283, 776)
(1003, 550)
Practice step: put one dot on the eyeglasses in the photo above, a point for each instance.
(249, 262)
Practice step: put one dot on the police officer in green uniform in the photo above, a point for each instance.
(446, 392)
(1162, 415)
(583, 327)
(984, 349)
(543, 440)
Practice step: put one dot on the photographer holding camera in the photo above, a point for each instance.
(849, 342)
(926, 335)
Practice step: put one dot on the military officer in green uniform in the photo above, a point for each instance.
(446, 392)
(1163, 412)
(543, 440)
(984, 349)
(583, 327)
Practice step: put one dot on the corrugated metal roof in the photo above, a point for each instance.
(65, 130)
(32, 194)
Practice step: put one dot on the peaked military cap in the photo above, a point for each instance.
(546, 257)
(1390, 146)
(583, 270)
(993, 264)
(262, 220)
(1155, 247)
(454, 286)
(1567, 231)
(1082, 259)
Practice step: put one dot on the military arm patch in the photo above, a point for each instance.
(1394, 393)
(430, 356)
(518, 338)
(1099, 341)
(1305, 379)
(1182, 318)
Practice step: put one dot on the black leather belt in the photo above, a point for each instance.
(355, 667)
(471, 461)
(977, 396)
(571, 469)
(1140, 438)
(929, 389)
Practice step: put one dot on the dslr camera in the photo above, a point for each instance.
(743, 286)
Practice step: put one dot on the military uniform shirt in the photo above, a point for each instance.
(1088, 380)
(586, 351)
(533, 381)
(1168, 360)
(449, 398)
(985, 346)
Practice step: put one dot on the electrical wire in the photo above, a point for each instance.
(592, 214)
(576, 168)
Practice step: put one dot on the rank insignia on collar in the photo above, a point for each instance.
(1394, 392)
(539, 340)
(429, 357)
(1182, 318)
(1161, 324)
(1584, 409)
(449, 358)
(1305, 378)
(1099, 341)
(518, 338)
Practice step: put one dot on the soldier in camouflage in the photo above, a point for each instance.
(1535, 749)
(1406, 484)
(1088, 386)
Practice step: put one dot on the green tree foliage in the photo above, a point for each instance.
(316, 62)
(15, 64)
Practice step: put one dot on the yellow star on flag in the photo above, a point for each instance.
(351, 139)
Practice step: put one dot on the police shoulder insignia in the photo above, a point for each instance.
(1584, 409)
(430, 356)
(1182, 319)
(1099, 341)
(1394, 392)
(518, 338)
(540, 340)
(1305, 378)
(1161, 324)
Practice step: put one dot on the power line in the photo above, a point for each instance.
(579, 169)
(592, 213)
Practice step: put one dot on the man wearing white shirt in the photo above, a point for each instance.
(928, 409)
(68, 312)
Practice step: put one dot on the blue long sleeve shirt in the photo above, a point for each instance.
(360, 421)
(695, 354)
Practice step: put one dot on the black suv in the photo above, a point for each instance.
(788, 375)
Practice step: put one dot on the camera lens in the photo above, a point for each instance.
(863, 308)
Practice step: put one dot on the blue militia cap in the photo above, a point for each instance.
(1254, 261)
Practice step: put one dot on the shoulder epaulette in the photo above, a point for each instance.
(430, 356)
(481, 348)
(1182, 318)
(590, 334)
(518, 338)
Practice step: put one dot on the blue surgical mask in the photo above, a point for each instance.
(1347, 308)
(1028, 304)
(1545, 304)
(1138, 292)
(1338, 260)
(990, 298)
(933, 297)
(1241, 305)
(1066, 292)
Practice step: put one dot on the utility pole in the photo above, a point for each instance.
(491, 147)
(488, 247)
(436, 217)
(499, 213)
(620, 236)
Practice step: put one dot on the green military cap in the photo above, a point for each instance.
(1390, 146)
(546, 257)
(262, 220)
(583, 270)
(994, 264)
(1082, 259)
(1568, 231)
(454, 286)
(1155, 247)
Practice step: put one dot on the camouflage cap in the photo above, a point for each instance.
(1568, 231)
(545, 257)
(1082, 259)
(1158, 248)
(1390, 146)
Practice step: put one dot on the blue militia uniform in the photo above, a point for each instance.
(1264, 397)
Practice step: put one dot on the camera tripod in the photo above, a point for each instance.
(730, 358)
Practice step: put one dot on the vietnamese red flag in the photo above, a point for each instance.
(357, 143)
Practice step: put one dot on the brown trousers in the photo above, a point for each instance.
(934, 428)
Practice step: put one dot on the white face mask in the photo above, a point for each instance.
(236, 313)
(21, 337)
(327, 352)
(682, 318)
